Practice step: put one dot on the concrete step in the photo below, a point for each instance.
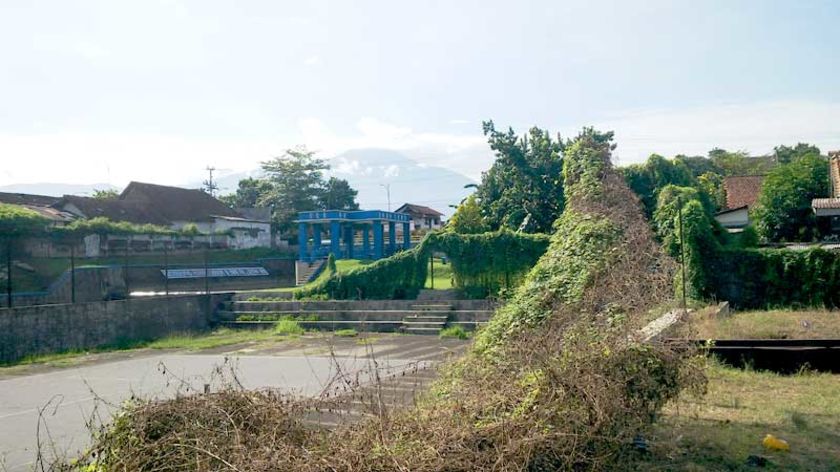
(432, 318)
(421, 324)
(422, 330)
(432, 307)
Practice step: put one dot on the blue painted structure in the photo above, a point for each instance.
(343, 228)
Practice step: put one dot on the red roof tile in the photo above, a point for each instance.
(742, 190)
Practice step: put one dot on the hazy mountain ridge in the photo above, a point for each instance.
(54, 189)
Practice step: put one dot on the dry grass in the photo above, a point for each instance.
(721, 430)
(775, 324)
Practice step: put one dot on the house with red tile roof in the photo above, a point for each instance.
(422, 217)
(175, 208)
(741, 193)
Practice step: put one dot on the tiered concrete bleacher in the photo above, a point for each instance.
(410, 316)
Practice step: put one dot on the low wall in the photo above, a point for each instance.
(46, 329)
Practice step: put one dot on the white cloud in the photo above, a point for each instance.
(84, 157)
(464, 153)
(754, 127)
(312, 61)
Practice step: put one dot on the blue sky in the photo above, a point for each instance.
(108, 90)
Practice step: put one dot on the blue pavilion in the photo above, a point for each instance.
(344, 226)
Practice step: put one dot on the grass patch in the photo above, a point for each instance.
(457, 332)
(719, 431)
(442, 276)
(774, 324)
(346, 333)
(288, 327)
(188, 341)
(217, 338)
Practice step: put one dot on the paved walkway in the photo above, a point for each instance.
(54, 405)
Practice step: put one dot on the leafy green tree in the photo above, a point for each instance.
(524, 187)
(783, 211)
(671, 199)
(698, 165)
(105, 194)
(787, 154)
(296, 181)
(467, 218)
(248, 193)
(711, 184)
(646, 180)
(740, 162)
(337, 194)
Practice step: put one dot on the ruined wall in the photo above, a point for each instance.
(46, 329)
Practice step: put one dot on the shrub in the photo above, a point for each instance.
(331, 267)
(762, 278)
(457, 332)
(287, 327)
(400, 276)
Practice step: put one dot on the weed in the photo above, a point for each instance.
(457, 332)
(346, 333)
(288, 328)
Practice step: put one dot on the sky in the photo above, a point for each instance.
(113, 91)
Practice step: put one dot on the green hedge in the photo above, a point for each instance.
(482, 264)
(400, 276)
(761, 278)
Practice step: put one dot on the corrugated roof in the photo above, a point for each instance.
(742, 190)
(418, 209)
(825, 203)
(27, 199)
(114, 209)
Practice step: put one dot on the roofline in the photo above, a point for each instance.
(732, 210)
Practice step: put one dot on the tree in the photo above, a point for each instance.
(248, 193)
(783, 211)
(525, 183)
(786, 154)
(337, 194)
(711, 184)
(740, 162)
(467, 218)
(646, 180)
(698, 165)
(296, 181)
(105, 194)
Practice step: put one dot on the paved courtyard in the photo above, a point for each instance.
(53, 405)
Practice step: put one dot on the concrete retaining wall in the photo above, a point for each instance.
(49, 329)
(356, 305)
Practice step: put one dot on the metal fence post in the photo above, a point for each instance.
(72, 273)
(9, 272)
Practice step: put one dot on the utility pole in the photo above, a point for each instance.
(682, 253)
(387, 188)
(210, 186)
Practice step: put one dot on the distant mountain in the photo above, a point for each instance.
(56, 189)
(410, 181)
